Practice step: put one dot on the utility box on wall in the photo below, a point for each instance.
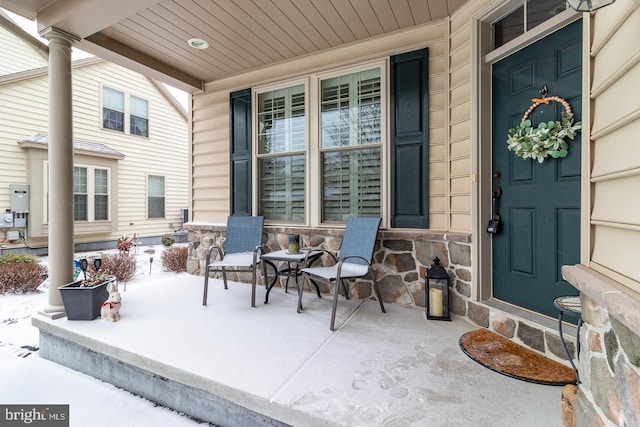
(19, 198)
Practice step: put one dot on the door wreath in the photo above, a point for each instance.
(548, 138)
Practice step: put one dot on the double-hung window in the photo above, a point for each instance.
(330, 163)
(90, 194)
(80, 196)
(112, 109)
(101, 194)
(124, 113)
(138, 116)
(155, 196)
(350, 145)
(281, 153)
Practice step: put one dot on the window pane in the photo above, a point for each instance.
(350, 109)
(156, 185)
(335, 114)
(79, 180)
(282, 185)
(539, 11)
(139, 116)
(80, 194)
(80, 207)
(139, 126)
(112, 99)
(112, 120)
(139, 107)
(281, 120)
(101, 207)
(156, 207)
(508, 28)
(351, 184)
(101, 194)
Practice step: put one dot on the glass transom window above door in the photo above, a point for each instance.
(525, 15)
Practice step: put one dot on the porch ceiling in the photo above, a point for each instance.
(151, 36)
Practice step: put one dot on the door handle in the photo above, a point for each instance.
(497, 192)
(495, 224)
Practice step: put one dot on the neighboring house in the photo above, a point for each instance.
(400, 109)
(130, 148)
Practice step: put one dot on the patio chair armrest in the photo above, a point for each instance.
(211, 248)
(313, 251)
(257, 253)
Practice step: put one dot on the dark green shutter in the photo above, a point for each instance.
(240, 149)
(409, 119)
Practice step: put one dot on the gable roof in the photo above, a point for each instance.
(41, 140)
(38, 45)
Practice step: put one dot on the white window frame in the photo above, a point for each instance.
(90, 193)
(127, 113)
(164, 196)
(305, 151)
(313, 157)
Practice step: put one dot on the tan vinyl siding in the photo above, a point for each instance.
(19, 120)
(210, 157)
(460, 114)
(210, 117)
(23, 113)
(615, 175)
(164, 153)
(16, 55)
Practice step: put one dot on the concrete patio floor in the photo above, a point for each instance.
(393, 369)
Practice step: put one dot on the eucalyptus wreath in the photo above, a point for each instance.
(548, 138)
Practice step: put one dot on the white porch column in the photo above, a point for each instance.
(60, 166)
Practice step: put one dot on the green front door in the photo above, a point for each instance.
(540, 202)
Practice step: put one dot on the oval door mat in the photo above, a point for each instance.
(508, 358)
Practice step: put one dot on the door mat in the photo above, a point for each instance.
(508, 358)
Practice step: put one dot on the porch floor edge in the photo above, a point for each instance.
(156, 385)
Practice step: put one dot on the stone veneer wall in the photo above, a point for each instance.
(400, 262)
(609, 393)
(400, 258)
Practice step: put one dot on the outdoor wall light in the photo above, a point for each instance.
(588, 5)
(437, 292)
(198, 43)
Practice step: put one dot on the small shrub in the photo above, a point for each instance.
(18, 258)
(167, 240)
(21, 276)
(175, 259)
(120, 265)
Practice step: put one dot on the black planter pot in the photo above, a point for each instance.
(83, 303)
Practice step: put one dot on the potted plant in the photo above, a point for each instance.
(83, 299)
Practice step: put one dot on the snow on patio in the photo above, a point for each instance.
(393, 369)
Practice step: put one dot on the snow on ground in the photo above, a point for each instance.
(27, 379)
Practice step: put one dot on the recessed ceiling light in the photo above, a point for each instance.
(198, 43)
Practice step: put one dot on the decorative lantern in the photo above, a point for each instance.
(437, 292)
(588, 5)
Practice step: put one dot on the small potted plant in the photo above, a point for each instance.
(83, 299)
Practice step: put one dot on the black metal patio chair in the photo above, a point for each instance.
(354, 261)
(242, 251)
